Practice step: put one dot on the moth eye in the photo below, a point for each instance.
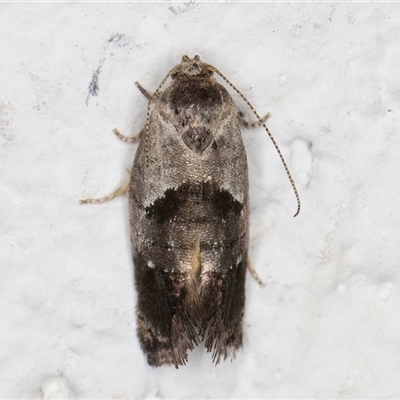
(210, 72)
(173, 76)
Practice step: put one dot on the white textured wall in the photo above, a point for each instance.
(327, 323)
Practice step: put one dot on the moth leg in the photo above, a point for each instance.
(121, 190)
(254, 274)
(144, 92)
(251, 125)
(137, 137)
(128, 139)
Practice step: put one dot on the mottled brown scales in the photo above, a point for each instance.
(189, 218)
(188, 201)
(196, 264)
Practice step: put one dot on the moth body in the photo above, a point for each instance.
(188, 202)
(189, 216)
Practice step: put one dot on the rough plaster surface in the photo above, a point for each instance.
(326, 324)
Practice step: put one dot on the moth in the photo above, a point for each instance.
(189, 217)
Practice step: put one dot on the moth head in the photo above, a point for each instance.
(191, 67)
